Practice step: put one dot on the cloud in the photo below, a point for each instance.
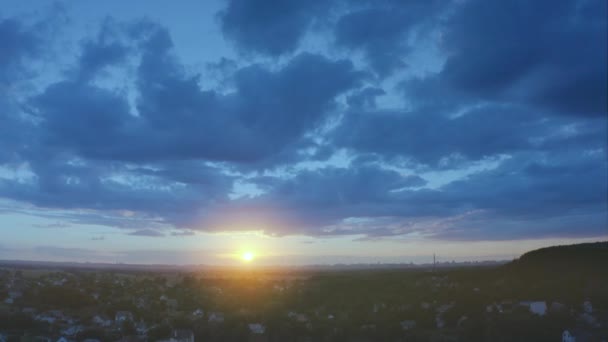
(21, 41)
(267, 28)
(178, 120)
(431, 137)
(531, 52)
(383, 30)
(183, 233)
(147, 232)
(511, 124)
(53, 225)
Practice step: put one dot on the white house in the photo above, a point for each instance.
(122, 316)
(72, 330)
(538, 308)
(45, 318)
(198, 313)
(257, 328)
(567, 337)
(299, 317)
(141, 328)
(102, 322)
(216, 317)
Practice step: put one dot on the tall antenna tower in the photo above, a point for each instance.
(434, 262)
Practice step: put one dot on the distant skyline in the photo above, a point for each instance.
(304, 132)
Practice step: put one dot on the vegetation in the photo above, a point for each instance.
(448, 304)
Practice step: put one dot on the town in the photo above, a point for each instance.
(445, 304)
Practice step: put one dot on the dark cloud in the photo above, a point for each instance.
(311, 200)
(536, 197)
(527, 196)
(108, 48)
(539, 52)
(521, 96)
(147, 232)
(432, 137)
(22, 42)
(53, 225)
(183, 233)
(270, 28)
(19, 42)
(383, 30)
(267, 112)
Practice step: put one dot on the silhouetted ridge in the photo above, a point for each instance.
(586, 259)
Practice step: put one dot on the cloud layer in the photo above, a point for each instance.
(502, 137)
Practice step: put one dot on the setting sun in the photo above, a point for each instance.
(247, 256)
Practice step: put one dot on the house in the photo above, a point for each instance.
(256, 328)
(407, 324)
(538, 308)
(506, 306)
(122, 316)
(102, 321)
(73, 330)
(298, 317)
(567, 337)
(461, 320)
(439, 317)
(45, 318)
(216, 317)
(378, 306)
(181, 335)
(198, 313)
(141, 328)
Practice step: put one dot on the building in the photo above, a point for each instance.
(122, 316)
(567, 337)
(182, 335)
(216, 317)
(408, 324)
(538, 308)
(198, 313)
(257, 328)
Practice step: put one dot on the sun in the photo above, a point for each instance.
(247, 256)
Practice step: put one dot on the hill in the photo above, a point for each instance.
(578, 258)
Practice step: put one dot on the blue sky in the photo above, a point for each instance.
(304, 131)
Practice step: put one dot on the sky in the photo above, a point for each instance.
(305, 132)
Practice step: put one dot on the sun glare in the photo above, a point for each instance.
(247, 256)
